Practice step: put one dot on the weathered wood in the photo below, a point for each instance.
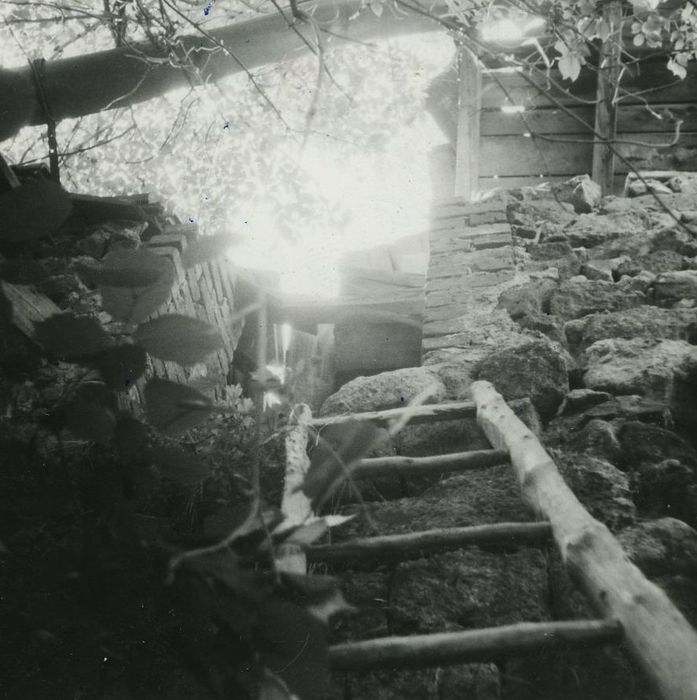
(417, 414)
(469, 106)
(567, 156)
(649, 80)
(487, 644)
(28, 306)
(630, 119)
(660, 638)
(436, 540)
(602, 170)
(453, 462)
(296, 507)
(309, 311)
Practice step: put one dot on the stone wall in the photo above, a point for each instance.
(587, 307)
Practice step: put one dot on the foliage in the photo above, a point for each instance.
(159, 547)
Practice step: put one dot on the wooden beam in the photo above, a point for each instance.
(660, 638)
(296, 507)
(469, 107)
(436, 540)
(602, 170)
(453, 462)
(489, 644)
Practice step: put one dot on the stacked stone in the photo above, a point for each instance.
(471, 250)
(205, 291)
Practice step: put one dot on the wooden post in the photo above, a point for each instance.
(469, 107)
(603, 169)
(296, 506)
(659, 637)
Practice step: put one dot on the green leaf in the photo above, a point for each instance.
(121, 366)
(183, 339)
(134, 283)
(340, 447)
(179, 465)
(69, 336)
(163, 401)
(91, 412)
(569, 66)
(207, 248)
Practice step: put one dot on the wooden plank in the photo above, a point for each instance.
(488, 644)
(28, 306)
(648, 80)
(660, 638)
(567, 156)
(630, 119)
(602, 168)
(437, 540)
(467, 145)
(453, 462)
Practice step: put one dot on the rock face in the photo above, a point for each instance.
(574, 299)
(646, 366)
(672, 287)
(601, 487)
(662, 546)
(385, 390)
(593, 229)
(536, 369)
(639, 322)
(528, 299)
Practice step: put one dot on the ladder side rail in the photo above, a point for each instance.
(657, 634)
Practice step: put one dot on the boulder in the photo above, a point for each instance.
(601, 487)
(530, 298)
(574, 299)
(663, 370)
(672, 287)
(578, 400)
(590, 230)
(528, 217)
(603, 269)
(385, 390)
(676, 239)
(639, 322)
(579, 191)
(537, 369)
(645, 444)
(551, 250)
(544, 324)
(667, 488)
(598, 439)
(664, 546)
(661, 261)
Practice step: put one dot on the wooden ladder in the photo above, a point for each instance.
(633, 609)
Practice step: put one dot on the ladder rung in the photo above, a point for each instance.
(441, 539)
(455, 461)
(417, 414)
(476, 645)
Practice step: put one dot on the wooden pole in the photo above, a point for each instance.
(603, 168)
(453, 462)
(295, 506)
(426, 413)
(436, 540)
(469, 107)
(473, 645)
(660, 638)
